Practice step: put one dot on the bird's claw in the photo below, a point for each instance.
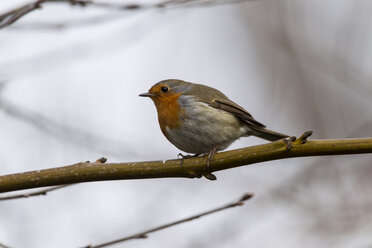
(211, 156)
(182, 157)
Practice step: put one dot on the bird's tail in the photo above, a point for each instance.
(268, 134)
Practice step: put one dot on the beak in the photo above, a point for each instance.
(147, 94)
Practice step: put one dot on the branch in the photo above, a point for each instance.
(45, 191)
(187, 168)
(36, 193)
(14, 15)
(3, 246)
(144, 234)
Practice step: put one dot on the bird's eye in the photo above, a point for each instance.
(164, 89)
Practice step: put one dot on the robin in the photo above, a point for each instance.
(198, 119)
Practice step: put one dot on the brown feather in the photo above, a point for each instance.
(217, 99)
(239, 112)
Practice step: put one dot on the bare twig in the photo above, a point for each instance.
(4, 246)
(304, 136)
(145, 234)
(14, 15)
(208, 3)
(73, 23)
(36, 193)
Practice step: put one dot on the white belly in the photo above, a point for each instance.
(205, 128)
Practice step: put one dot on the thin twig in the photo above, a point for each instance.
(209, 3)
(144, 234)
(73, 23)
(36, 193)
(4, 246)
(14, 15)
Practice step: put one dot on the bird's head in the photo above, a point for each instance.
(167, 91)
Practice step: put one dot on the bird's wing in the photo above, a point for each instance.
(235, 109)
(217, 99)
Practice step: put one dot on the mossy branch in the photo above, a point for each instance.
(188, 168)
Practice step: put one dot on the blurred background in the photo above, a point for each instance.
(69, 83)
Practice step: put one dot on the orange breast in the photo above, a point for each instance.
(169, 112)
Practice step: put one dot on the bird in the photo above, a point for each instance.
(201, 120)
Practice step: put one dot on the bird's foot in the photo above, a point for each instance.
(182, 157)
(207, 175)
(211, 155)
